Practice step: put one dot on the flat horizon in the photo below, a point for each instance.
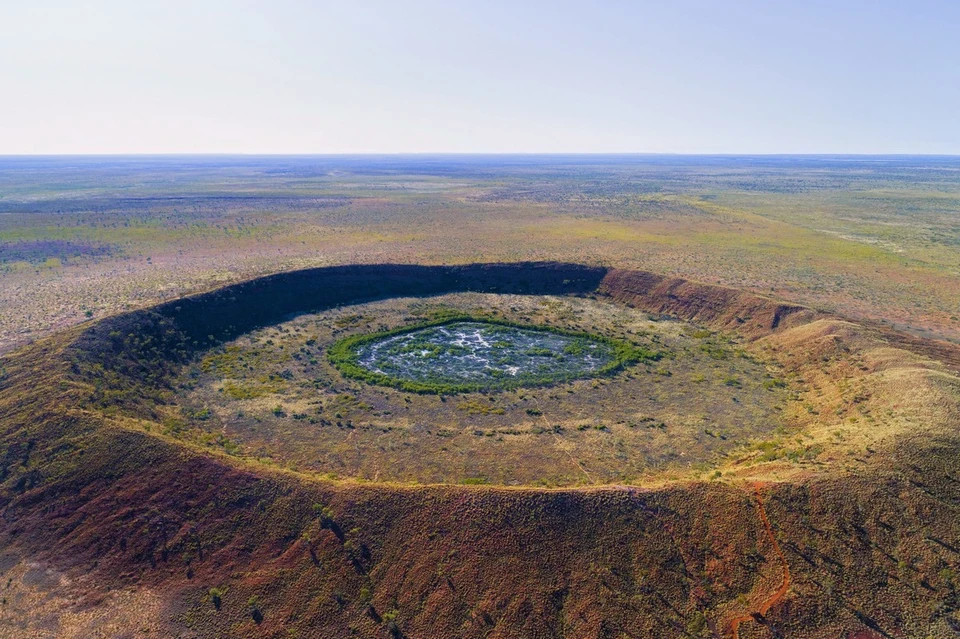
(618, 154)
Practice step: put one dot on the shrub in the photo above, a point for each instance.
(253, 603)
(216, 594)
(696, 624)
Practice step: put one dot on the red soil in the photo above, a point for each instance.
(775, 598)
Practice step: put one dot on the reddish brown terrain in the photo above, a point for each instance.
(845, 525)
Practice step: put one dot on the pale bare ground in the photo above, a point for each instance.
(40, 602)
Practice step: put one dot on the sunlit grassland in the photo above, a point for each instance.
(918, 225)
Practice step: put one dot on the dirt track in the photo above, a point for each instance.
(776, 597)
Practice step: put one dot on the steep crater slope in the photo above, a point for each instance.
(122, 517)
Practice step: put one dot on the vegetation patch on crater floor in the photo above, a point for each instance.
(463, 353)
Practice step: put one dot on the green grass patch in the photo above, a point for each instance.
(344, 355)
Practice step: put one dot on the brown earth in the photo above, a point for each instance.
(136, 525)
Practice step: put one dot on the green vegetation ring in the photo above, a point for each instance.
(464, 353)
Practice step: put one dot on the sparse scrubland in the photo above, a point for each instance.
(776, 459)
(874, 239)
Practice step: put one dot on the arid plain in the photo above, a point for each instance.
(869, 238)
(185, 457)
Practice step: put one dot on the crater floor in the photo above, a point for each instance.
(272, 395)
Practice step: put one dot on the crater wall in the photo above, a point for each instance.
(116, 507)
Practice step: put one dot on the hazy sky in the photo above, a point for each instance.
(686, 76)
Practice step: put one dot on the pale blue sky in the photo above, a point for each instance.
(684, 76)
